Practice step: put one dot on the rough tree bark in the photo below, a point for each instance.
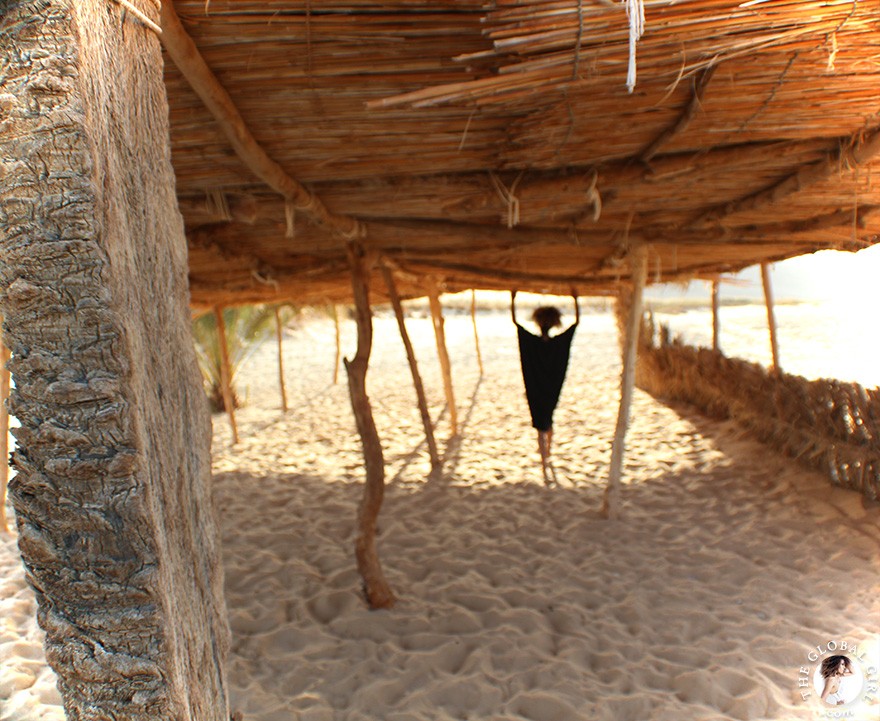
(112, 496)
(376, 588)
(4, 434)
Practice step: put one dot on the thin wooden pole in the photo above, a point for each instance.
(225, 372)
(413, 367)
(440, 336)
(278, 333)
(771, 318)
(376, 588)
(4, 434)
(338, 345)
(639, 265)
(715, 325)
(476, 336)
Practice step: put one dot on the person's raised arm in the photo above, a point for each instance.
(577, 308)
(512, 306)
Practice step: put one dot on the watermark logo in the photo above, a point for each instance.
(839, 679)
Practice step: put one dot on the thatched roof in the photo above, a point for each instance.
(495, 144)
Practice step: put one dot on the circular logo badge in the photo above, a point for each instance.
(838, 680)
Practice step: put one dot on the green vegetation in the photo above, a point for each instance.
(246, 328)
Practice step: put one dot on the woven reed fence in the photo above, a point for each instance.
(827, 424)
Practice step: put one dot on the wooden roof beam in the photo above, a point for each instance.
(544, 198)
(678, 127)
(854, 152)
(186, 56)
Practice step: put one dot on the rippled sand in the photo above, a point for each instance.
(516, 600)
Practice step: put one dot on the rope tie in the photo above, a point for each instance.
(832, 56)
(140, 15)
(265, 279)
(508, 196)
(217, 205)
(594, 197)
(358, 231)
(290, 217)
(308, 206)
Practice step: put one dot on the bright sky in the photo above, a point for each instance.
(846, 279)
(843, 278)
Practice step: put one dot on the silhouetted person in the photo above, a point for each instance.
(544, 360)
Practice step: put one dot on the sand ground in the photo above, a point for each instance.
(517, 601)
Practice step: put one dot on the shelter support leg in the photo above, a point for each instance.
(376, 588)
(716, 327)
(443, 354)
(338, 345)
(414, 369)
(279, 334)
(771, 316)
(226, 372)
(112, 491)
(476, 335)
(639, 265)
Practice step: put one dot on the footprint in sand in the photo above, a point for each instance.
(538, 706)
(326, 607)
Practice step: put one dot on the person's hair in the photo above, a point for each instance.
(547, 317)
(830, 664)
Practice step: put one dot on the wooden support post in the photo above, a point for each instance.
(376, 588)
(4, 434)
(771, 317)
(639, 265)
(413, 367)
(338, 345)
(715, 325)
(476, 336)
(225, 371)
(112, 485)
(442, 353)
(278, 333)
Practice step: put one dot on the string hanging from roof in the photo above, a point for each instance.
(635, 12)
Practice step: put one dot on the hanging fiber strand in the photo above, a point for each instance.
(635, 12)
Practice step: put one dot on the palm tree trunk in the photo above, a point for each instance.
(4, 434)
(112, 491)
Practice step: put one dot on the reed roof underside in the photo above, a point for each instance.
(495, 144)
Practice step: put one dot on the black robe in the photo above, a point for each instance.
(544, 362)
